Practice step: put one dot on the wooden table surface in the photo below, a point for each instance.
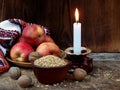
(105, 76)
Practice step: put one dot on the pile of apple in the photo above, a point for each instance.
(33, 39)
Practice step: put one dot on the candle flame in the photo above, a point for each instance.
(76, 15)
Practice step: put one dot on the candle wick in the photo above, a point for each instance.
(77, 22)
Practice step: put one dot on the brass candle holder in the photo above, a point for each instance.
(80, 60)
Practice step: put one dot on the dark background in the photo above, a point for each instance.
(100, 20)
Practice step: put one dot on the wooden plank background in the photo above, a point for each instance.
(100, 20)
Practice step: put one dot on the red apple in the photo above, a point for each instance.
(20, 51)
(48, 48)
(33, 34)
(48, 39)
(21, 39)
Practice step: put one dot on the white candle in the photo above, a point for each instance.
(77, 34)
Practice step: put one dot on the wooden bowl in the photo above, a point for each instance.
(29, 64)
(22, 64)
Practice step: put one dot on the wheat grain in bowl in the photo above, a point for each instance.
(50, 61)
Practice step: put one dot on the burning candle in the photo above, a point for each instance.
(77, 34)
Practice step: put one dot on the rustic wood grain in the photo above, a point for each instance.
(99, 18)
(1, 9)
(102, 25)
